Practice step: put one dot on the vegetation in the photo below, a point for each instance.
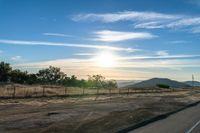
(52, 76)
(163, 86)
(5, 71)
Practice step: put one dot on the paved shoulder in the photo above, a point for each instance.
(186, 121)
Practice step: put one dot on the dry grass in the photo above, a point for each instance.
(108, 114)
(18, 90)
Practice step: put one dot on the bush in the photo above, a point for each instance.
(163, 86)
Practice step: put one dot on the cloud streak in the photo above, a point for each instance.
(72, 67)
(179, 42)
(16, 58)
(85, 54)
(39, 43)
(124, 16)
(57, 35)
(123, 61)
(115, 36)
(161, 56)
(125, 69)
(144, 20)
(194, 2)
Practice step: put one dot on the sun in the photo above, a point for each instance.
(105, 59)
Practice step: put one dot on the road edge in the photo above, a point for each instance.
(156, 118)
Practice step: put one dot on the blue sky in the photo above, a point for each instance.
(142, 39)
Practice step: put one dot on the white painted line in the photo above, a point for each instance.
(191, 129)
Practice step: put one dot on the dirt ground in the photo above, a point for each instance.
(86, 115)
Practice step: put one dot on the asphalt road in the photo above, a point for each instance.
(186, 121)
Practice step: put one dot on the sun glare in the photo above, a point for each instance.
(106, 59)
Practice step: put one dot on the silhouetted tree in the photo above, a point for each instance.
(5, 70)
(32, 79)
(51, 75)
(18, 76)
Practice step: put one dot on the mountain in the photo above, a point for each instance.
(196, 83)
(151, 83)
(123, 83)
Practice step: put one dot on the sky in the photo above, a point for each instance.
(120, 39)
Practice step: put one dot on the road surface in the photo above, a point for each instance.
(186, 121)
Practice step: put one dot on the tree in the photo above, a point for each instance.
(32, 79)
(51, 75)
(82, 83)
(111, 84)
(96, 80)
(18, 76)
(71, 81)
(5, 70)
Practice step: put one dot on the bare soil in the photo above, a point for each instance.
(87, 114)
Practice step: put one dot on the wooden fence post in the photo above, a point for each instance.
(65, 90)
(83, 91)
(35, 92)
(98, 91)
(14, 91)
(97, 94)
(43, 92)
(128, 92)
(26, 94)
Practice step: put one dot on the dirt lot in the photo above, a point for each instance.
(85, 114)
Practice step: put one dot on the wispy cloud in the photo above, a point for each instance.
(162, 53)
(159, 57)
(85, 54)
(124, 16)
(16, 58)
(179, 42)
(20, 42)
(115, 36)
(195, 30)
(167, 64)
(57, 34)
(194, 2)
(186, 21)
(123, 61)
(145, 20)
(149, 25)
(72, 67)
(123, 68)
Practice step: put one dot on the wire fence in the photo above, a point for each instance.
(25, 91)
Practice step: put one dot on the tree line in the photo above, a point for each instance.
(52, 76)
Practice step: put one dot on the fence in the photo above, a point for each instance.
(23, 91)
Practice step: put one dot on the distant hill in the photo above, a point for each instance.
(123, 83)
(196, 83)
(154, 81)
